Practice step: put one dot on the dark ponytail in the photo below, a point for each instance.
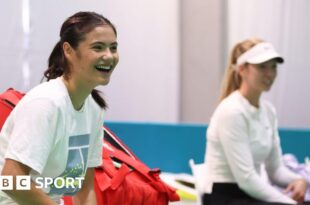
(73, 31)
(99, 100)
(56, 63)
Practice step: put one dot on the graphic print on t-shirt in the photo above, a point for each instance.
(76, 165)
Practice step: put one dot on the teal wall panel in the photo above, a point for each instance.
(170, 146)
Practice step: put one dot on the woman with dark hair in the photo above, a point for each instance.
(243, 135)
(54, 135)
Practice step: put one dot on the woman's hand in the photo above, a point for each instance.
(24, 197)
(297, 190)
(87, 195)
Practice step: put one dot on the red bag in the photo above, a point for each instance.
(8, 101)
(133, 183)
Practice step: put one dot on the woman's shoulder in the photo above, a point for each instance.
(267, 104)
(232, 109)
(94, 107)
(232, 104)
(51, 92)
(269, 108)
(48, 88)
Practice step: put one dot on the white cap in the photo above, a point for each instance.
(260, 53)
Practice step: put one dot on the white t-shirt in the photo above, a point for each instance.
(240, 139)
(46, 133)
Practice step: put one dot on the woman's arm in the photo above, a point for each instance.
(296, 186)
(24, 197)
(87, 195)
(281, 175)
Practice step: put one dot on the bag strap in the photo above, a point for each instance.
(152, 175)
(129, 158)
(111, 138)
(133, 163)
(11, 96)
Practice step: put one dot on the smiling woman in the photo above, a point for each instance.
(243, 136)
(85, 47)
(92, 62)
(60, 121)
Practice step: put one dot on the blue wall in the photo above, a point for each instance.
(296, 141)
(170, 146)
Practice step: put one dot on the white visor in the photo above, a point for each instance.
(260, 53)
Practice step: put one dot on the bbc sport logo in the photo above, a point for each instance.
(24, 182)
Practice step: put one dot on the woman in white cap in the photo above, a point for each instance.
(243, 135)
